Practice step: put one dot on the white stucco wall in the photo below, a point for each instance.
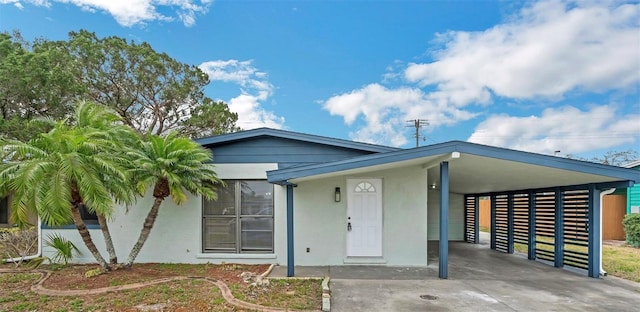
(456, 216)
(320, 222)
(177, 234)
(410, 218)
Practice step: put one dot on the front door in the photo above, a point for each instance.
(364, 218)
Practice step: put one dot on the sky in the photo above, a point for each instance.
(551, 77)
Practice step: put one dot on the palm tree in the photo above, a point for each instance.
(77, 163)
(173, 165)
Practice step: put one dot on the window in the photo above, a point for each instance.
(90, 220)
(241, 220)
(4, 211)
(88, 217)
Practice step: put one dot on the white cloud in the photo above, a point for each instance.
(567, 129)
(386, 111)
(546, 50)
(131, 12)
(255, 89)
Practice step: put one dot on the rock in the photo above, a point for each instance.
(254, 280)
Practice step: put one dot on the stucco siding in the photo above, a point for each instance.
(456, 216)
(177, 234)
(320, 222)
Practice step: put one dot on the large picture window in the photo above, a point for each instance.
(241, 220)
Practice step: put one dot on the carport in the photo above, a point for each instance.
(550, 204)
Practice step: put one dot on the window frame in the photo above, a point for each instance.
(91, 223)
(238, 216)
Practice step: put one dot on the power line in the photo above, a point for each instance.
(417, 124)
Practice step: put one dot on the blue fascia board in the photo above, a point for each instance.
(281, 175)
(249, 134)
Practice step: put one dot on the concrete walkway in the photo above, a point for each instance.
(479, 280)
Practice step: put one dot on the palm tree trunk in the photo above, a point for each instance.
(146, 229)
(86, 237)
(106, 234)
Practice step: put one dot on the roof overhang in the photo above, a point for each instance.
(473, 168)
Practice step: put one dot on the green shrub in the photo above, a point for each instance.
(64, 249)
(631, 224)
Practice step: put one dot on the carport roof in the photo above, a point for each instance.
(479, 168)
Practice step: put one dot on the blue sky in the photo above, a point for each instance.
(540, 76)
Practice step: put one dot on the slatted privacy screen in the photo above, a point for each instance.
(551, 224)
(502, 223)
(576, 228)
(545, 225)
(470, 219)
(521, 219)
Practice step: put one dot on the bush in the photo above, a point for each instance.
(64, 249)
(631, 224)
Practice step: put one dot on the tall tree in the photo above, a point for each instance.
(613, 157)
(617, 158)
(35, 81)
(153, 92)
(173, 166)
(75, 164)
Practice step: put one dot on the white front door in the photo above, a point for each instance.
(364, 218)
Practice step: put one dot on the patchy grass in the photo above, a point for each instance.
(185, 295)
(485, 229)
(622, 261)
(299, 294)
(619, 261)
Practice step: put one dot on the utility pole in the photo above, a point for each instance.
(417, 123)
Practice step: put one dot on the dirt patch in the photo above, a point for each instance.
(179, 295)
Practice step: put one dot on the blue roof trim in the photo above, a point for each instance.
(283, 175)
(248, 134)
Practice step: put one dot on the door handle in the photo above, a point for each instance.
(349, 226)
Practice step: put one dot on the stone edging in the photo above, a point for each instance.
(224, 289)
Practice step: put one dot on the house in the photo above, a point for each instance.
(299, 200)
(633, 193)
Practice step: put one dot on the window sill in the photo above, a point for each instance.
(234, 256)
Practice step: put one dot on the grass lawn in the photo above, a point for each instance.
(183, 295)
(622, 262)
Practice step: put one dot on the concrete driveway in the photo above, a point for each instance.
(479, 280)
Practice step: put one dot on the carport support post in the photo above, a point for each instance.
(532, 226)
(290, 262)
(443, 263)
(559, 230)
(594, 231)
